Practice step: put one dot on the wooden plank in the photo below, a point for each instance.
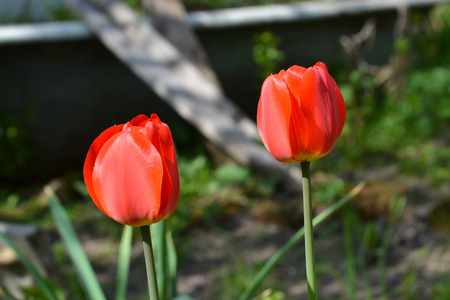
(180, 83)
(169, 18)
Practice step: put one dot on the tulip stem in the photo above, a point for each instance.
(149, 263)
(309, 237)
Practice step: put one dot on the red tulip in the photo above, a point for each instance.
(301, 113)
(131, 172)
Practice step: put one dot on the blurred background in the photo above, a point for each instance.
(61, 87)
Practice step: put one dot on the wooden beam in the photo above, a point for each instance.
(180, 83)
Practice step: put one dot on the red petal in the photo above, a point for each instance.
(92, 154)
(321, 65)
(152, 131)
(155, 119)
(297, 128)
(293, 78)
(274, 110)
(172, 179)
(127, 178)
(318, 102)
(341, 111)
(139, 120)
(339, 101)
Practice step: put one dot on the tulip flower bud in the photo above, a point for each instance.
(301, 113)
(131, 172)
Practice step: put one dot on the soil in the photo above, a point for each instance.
(222, 255)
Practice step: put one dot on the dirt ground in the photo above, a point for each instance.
(224, 254)
(227, 252)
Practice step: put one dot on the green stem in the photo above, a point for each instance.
(309, 238)
(149, 263)
(276, 257)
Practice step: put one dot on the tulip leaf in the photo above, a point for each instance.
(79, 259)
(123, 264)
(183, 297)
(158, 231)
(166, 260)
(172, 263)
(43, 283)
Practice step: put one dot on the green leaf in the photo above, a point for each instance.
(172, 263)
(79, 259)
(43, 283)
(123, 264)
(183, 297)
(158, 231)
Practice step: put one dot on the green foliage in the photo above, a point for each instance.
(402, 45)
(78, 256)
(271, 295)
(442, 289)
(59, 13)
(328, 192)
(16, 207)
(426, 95)
(405, 120)
(136, 4)
(237, 276)
(369, 241)
(68, 252)
(46, 290)
(433, 46)
(265, 53)
(36, 292)
(206, 192)
(393, 126)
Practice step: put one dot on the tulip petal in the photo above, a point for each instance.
(341, 110)
(321, 65)
(318, 96)
(274, 110)
(139, 120)
(170, 161)
(153, 131)
(293, 78)
(89, 163)
(127, 177)
(297, 126)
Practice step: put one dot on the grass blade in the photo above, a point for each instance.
(172, 264)
(123, 264)
(271, 263)
(30, 267)
(79, 259)
(350, 265)
(365, 246)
